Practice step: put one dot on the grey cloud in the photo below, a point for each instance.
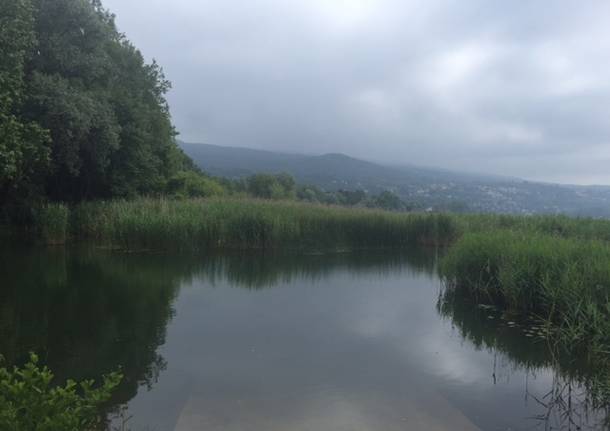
(481, 85)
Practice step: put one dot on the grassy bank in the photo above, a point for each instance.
(562, 282)
(196, 224)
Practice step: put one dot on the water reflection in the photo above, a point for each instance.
(284, 341)
(266, 270)
(87, 312)
(577, 395)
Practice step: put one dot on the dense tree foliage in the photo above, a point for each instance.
(268, 186)
(82, 115)
(189, 184)
(283, 186)
(24, 150)
(389, 201)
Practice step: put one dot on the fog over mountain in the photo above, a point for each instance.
(422, 188)
(511, 88)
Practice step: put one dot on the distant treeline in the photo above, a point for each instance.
(282, 186)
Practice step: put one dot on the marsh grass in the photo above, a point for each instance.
(196, 224)
(562, 282)
(554, 225)
(250, 223)
(51, 223)
(556, 284)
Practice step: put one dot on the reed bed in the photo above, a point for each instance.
(195, 224)
(250, 223)
(562, 282)
(553, 225)
(51, 223)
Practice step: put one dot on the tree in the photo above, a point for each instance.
(24, 152)
(193, 184)
(268, 186)
(82, 116)
(388, 201)
(351, 198)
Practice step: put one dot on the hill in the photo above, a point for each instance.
(427, 187)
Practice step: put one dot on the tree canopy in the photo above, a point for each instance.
(82, 115)
(269, 186)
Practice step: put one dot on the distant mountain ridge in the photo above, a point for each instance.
(429, 187)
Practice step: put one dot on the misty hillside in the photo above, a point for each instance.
(427, 187)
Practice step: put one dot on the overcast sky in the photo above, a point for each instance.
(518, 88)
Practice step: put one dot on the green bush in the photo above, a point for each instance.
(29, 400)
(270, 186)
(188, 184)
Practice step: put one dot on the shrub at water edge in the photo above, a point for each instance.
(29, 400)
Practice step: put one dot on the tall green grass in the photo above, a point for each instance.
(196, 224)
(246, 223)
(564, 282)
(555, 225)
(51, 223)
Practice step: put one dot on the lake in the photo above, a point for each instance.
(254, 341)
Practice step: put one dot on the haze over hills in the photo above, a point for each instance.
(426, 187)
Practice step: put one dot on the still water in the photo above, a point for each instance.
(354, 341)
